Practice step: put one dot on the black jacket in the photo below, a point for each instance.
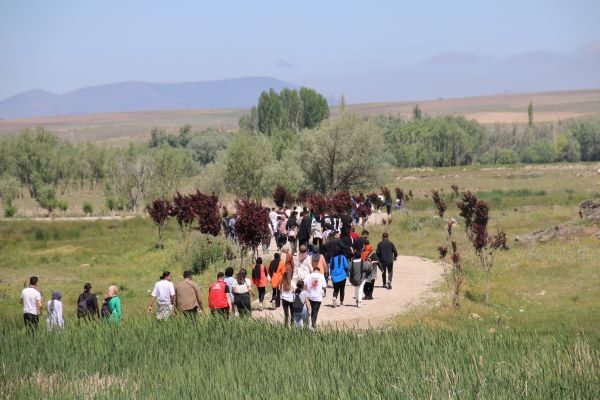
(336, 247)
(304, 231)
(91, 305)
(386, 251)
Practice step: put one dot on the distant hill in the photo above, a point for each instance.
(140, 96)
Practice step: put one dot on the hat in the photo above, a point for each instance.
(56, 295)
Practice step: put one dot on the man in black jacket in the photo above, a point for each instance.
(87, 304)
(387, 254)
(305, 226)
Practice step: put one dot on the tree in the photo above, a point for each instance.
(440, 204)
(9, 189)
(293, 109)
(158, 137)
(249, 122)
(417, 114)
(206, 209)
(252, 225)
(314, 107)
(46, 198)
(245, 161)
(205, 145)
(183, 211)
(530, 114)
(329, 156)
(279, 195)
(160, 211)
(271, 114)
(172, 167)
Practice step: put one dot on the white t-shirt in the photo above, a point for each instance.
(30, 297)
(163, 290)
(314, 285)
(273, 217)
(241, 289)
(287, 296)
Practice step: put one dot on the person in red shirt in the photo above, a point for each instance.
(219, 300)
(353, 233)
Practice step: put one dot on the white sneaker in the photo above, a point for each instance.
(359, 304)
(334, 302)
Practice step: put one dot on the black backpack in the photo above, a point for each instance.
(297, 305)
(105, 311)
(82, 306)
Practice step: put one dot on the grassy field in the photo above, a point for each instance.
(544, 309)
(121, 128)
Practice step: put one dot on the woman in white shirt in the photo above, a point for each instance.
(55, 319)
(242, 290)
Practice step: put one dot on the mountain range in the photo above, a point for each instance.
(141, 96)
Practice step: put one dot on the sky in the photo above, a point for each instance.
(368, 51)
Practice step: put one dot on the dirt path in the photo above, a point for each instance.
(414, 278)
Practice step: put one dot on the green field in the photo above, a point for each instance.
(544, 309)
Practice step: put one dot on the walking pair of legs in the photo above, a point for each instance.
(389, 269)
(359, 293)
(339, 288)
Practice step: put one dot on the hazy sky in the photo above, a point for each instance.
(377, 50)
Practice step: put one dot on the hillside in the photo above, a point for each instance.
(140, 96)
(117, 128)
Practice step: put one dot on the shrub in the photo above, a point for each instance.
(46, 198)
(200, 251)
(111, 203)
(160, 211)
(87, 208)
(62, 205)
(206, 208)
(507, 156)
(252, 225)
(10, 210)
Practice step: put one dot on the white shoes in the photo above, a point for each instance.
(335, 303)
(359, 304)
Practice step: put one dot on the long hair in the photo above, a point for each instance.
(286, 282)
(241, 276)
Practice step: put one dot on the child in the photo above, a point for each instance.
(55, 319)
(301, 305)
(229, 281)
(370, 283)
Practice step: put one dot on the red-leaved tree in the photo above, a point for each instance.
(279, 196)
(340, 202)
(440, 204)
(182, 211)
(206, 209)
(317, 203)
(252, 226)
(303, 196)
(375, 200)
(160, 211)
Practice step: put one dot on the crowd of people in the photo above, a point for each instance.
(314, 253)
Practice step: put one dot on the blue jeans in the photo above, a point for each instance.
(301, 317)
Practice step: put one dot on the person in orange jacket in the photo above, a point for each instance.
(276, 270)
(259, 279)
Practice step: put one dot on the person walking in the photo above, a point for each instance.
(315, 286)
(111, 308)
(303, 266)
(229, 279)
(359, 272)
(55, 320)
(187, 296)
(87, 304)
(164, 294)
(316, 230)
(276, 271)
(31, 299)
(219, 301)
(289, 259)
(287, 298)
(301, 305)
(305, 228)
(292, 232)
(372, 276)
(387, 254)
(242, 288)
(259, 278)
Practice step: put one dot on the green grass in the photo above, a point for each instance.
(248, 360)
(544, 307)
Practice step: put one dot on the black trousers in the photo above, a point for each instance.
(368, 289)
(389, 268)
(315, 306)
(339, 288)
(242, 302)
(31, 321)
(275, 297)
(288, 312)
(261, 294)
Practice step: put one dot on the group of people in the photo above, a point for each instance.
(87, 306)
(314, 253)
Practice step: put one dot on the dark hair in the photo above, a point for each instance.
(364, 232)
(220, 275)
(385, 235)
(241, 276)
(87, 287)
(33, 280)
(276, 256)
(229, 271)
(299, 286)
(258, 260)
(165, 274)
(187, 274)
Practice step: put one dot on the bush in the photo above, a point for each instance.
(46, 198)
(87, 208)
(199, 252)
(538, 153)
(62, 205)
(507, 156)
(10, 210)
(111, 203)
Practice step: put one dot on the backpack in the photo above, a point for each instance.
(355, 273)
(297, 305)
(105, 311)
